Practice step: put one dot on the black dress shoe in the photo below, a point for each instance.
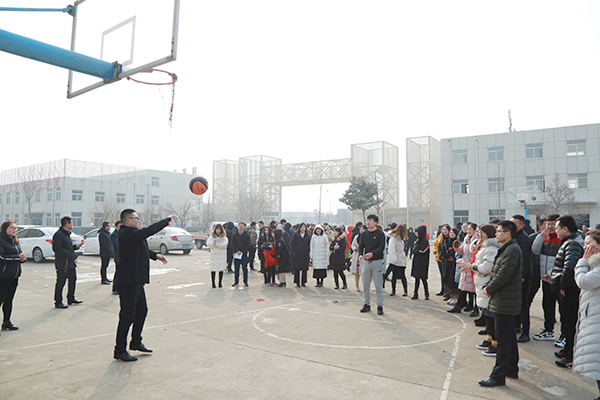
(60, 305)
(490, 382)
(8, 326)
(125, 356)
(379, 310)
(105, 283)
(140, 347)
(523, 338)
(74, 301)
(366, 308)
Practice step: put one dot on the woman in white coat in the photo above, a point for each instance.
(319, 253)
(217, 243)
(354, 264)
(397, 257)
(586, 355)
(485, 253)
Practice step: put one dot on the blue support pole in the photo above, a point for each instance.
(68, 9)
(46, 53)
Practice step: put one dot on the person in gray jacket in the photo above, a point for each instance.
(504, 291)
(253, 233)
(586, 358)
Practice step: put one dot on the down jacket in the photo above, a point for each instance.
(482, 267)
(319, 250)
(466, 283)
(505, 280)
(563, 273)
(337, 257)
(10, 262)
(586, 354)
(396, 255)
(218, 252)
(546, 248)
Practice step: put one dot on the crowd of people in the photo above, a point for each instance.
(493, 271)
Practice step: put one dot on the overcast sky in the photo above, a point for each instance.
(303, 80)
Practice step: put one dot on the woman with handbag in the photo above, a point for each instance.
(11, 258)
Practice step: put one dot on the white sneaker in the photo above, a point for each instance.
(561, 342)
(545, 336)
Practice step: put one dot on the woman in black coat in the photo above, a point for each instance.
(337, 258)
(10, 270)
(420, 265)
(410, 243)
(283, 253)
(300, 254)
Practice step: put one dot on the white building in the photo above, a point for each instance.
(93, 192)
(485, 176)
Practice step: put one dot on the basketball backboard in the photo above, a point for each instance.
(527, 194)
(138, 34)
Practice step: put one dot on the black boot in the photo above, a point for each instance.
(415, 296)
(212, 277)
(426, 295)
(220, 278)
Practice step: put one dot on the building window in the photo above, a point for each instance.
(495, 185)
(199, 204)
(576, 147)
(36, 218)
(459, 157)
(537, 181)
(100, 197)
(17, 218)
(38, 198)
(155, 181)
(49, 219)
(535, 150)
(76, 218)
(7, 198)
(7, 217)
(17, 198)
(495, 153)
(578, 181)
(461, 216)
(139, 199)
(497, 214)
(58, 194)
(98, 219)
(57, 219)
(460, 186)
(77, 195)
(49, 197)
(154, 200)
(120, 197)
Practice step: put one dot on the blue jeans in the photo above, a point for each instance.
(244, 263)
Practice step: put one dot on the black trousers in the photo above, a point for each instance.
(549, 306)
(229, 259)
(251, 255)
(133, 311)
(103, 267)
(507, 356)
(490, 326)
(61, 278)
(425, 285)
(534, 285)
(523, 320)
(398, 273)
(300, 277)
(8, 288)
(568, 306)
(341, 275)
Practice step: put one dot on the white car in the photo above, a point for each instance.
(36, 243)
(92, 245)
(170, 239)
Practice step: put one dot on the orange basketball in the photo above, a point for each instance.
(198, 185)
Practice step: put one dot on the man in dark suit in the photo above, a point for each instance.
(64, 261)
(106, 250)
(133, 272)
(114, 238)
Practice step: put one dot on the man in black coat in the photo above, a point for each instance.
(524, 242)
(133, 272)
(114, 238)
(106, 251)
(64, 262)
(240, 244)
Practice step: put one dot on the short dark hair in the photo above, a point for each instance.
(65, 220)
(283, 221)
(519, 217)
(373, 217)
(126, 214)
(261, 222)
(358, 224)
(508, 226)
(568, 222)
(105, 224)
(253, 224)
(541, 221)
(241, 223)
(552, 217)
(495, 221)
(118, 223)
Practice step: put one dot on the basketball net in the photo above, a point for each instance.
(172, 84)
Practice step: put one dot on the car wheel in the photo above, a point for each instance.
(186, 251)
(198, 244)
(163, 250)
(38, 256)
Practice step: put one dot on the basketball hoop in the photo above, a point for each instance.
(522, 202)
(171, 83)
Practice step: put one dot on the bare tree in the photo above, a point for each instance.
(208, 215)
(30, 181)
(252, 206)
(561, 199)
(109, 210)
(184, 212)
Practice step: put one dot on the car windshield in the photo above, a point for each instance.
(50, 230)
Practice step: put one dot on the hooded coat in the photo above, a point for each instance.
(420, 265)
(282, 252)
(337, 258)
(319, 249)
(466, 279)
(586, 353)
(218, 251)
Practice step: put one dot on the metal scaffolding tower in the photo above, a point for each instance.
(423, 170)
